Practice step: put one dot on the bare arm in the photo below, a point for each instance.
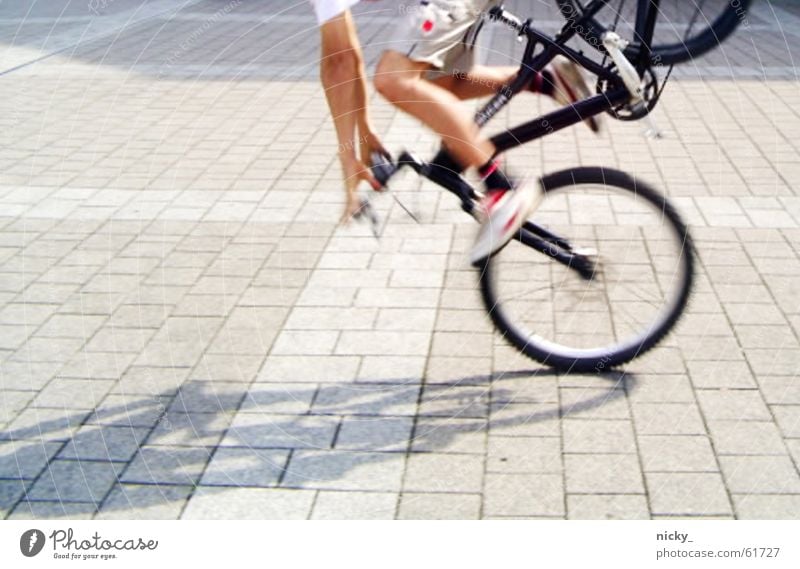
(344, 79)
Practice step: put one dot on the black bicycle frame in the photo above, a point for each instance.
(531, 234)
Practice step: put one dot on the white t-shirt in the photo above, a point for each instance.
(327, 9)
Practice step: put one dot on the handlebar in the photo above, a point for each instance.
(500, 14)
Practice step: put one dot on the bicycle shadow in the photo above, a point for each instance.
(215, 437)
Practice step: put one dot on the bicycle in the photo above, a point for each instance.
(592, 300)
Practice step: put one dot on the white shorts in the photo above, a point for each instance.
(329, 9)
(442, 33)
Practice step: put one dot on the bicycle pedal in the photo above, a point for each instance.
(382, 167)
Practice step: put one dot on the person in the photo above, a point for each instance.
(429, 67)
(344, 80)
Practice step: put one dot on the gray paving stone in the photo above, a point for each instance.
(409, 319)
(345, 470)
(279, 398)
(144, 502)
(13, 402)
(10, 493)
(746, 438)
(607, 507)
(344, 318)
(256, 430)
(130, 410)
(354, 506)
(43, 425)
(450, 435)
(383, 343)
(374, 433)
(176, 429)
(27, 375)
(437, 472)
(592, 437)
(404, 369)
(528, 420)
(721, 374)
(767, 507)
(239, 342)
(222, 367)
(594, 403)
(439, 506)
(50, 510)
(603, 473)
(524, 455)
(522, 387)
(304, 369)
(458, 370)
(72, 394)
(248, 503)
(744, 405)
(779, 390)
(463, 401)
(97, 365)
(677, 454)
(245, 467)
(208, 397)
(166, 465)
(762, 336)
(666, 389)
(75, 481)
(523, 495)
(104, 443)
(782, 361)
(687, 493)
(760, 474)
(668, 419)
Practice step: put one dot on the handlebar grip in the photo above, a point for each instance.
(500, 14)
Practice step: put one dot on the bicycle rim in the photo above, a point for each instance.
(640, 284)
(684, 29)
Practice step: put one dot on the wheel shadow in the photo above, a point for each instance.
(144, 457)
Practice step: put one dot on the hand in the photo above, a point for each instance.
(369, 143)
(354, 173)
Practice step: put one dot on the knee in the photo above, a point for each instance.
(339, 66)
(390, 80)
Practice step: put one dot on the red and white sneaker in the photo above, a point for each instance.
(505, 211)
(569, 87)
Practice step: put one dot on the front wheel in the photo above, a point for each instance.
(599, 274)
(684, 29)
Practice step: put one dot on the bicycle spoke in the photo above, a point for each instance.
(546, 309)
(692, 22)
(618, 15)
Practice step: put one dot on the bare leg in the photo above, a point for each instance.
(401, 81)
(480, 81)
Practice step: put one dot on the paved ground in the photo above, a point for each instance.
(185, 333)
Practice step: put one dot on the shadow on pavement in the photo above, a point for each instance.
(170, 446)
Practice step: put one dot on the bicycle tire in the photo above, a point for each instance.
(730, 15)
(597, 359)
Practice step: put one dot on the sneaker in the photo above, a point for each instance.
(505, 211)
(569, 87)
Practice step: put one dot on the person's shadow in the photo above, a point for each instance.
(220, 436)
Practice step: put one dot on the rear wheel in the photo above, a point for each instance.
(625, 287)
(685, 29)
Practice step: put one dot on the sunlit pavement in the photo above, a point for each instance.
(186, 333)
